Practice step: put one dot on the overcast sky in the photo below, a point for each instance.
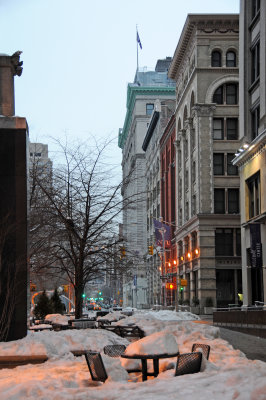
(79, 56)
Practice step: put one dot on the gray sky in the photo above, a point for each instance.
(79, 56)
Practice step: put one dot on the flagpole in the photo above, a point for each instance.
(137, 49)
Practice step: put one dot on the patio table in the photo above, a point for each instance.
(154, 357)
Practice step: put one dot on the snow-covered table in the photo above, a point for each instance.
(154, 357)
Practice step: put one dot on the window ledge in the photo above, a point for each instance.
(254, 85)
(254, 20)
(259, 219)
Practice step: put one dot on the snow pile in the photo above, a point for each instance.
(228, 374)
(57, 319)
(157, 343)
(112, 316)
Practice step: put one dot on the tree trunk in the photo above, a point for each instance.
(78, 301)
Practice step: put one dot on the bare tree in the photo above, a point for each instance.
(81, 210)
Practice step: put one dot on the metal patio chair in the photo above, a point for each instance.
(188, 363)
(96, 366)
(205, 349)
(114, 350)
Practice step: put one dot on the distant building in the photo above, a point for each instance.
(207, 237)
(251, 156)
(148, 87)
(38, 157)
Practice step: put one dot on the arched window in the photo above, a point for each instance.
(179, 127)
(216, 59)
(185, 114)
(231, 59)
(192, 101)
(226, 94)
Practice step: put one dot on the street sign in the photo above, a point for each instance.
(183, 282)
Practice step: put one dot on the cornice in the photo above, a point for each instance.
(132, 93)
(205, 23)
(257, 146)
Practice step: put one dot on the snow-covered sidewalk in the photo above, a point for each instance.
(227, 375)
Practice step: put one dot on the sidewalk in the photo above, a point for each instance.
(252, 346)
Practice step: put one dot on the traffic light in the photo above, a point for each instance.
(122, 252)
(83, 295)
(32, 287)
(151, 250)
(181, 289)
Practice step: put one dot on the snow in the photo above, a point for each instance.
(227, 375)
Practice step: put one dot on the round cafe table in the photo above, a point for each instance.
(154, 357)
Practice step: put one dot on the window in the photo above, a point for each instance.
(193, 240)
(255, 62)
(193, 210)
(149, 109)
(231, 59)
(218, 164)
(187, 211)
(231, 93)
(218, 95)
(216, 59)
(226, 94)
(186, 148)
(255, 8)
(225, 129)
(232, 128)
(253, 188)
(180, 217)
(179, 159)
(231, 169)
(224, 242)
(255, 122)
(194, 172)
(227, 242)
(226, 201)
(233, 201)
(219, 201)
(218, 128)
(186, 180)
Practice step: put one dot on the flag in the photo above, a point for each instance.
(162, 231)
(138, 40)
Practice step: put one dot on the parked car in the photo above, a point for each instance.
(117, 308)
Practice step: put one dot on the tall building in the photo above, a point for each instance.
(163, 110)
(148, 86)
(251, 156)
(207, 237)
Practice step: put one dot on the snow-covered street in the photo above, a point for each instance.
(227, 375)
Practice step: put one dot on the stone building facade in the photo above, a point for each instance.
(148, 86)
(251, 156)
(207, 237)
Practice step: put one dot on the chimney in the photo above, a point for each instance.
(9, 67)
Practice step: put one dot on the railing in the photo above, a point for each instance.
(259, 305)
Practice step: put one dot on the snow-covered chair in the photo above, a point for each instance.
(188, 363)
(114, 350)
(205, 349)
(96, 366)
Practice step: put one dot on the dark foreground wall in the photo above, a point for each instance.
(252, 322)
(13, 228)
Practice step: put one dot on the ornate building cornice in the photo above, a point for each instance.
(132, 93)
(256, 147)
(205, 24)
